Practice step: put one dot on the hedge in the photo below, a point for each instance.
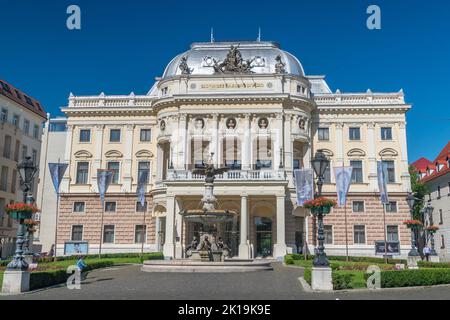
(146, 256)
(414, 278)
(342, 280)
(297, 256)
(42, 279)
(426, 264)
(307, 275)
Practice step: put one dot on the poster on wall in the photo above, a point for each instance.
(74, 248)
(392, 248)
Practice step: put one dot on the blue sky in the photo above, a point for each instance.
(124, 45)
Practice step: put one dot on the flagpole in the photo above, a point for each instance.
(385, 237)
(101, 229)
(144, 228)
(57, 214)
(345, 221)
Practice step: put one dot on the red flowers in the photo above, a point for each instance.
(432, 229)
(413, 223)
(319, 202)
(21, 207)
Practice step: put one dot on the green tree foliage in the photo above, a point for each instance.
(419, 190)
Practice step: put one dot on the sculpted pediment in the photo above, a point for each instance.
(113, 154)
(388, 152)
(83, 154)
(144, 154)
(356, 153)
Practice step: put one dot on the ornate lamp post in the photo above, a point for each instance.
(410, 199)
(320, 164)
(27, 171)
(429, 212)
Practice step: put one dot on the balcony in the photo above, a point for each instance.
(235, 175)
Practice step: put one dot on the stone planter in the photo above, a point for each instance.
(19, 215)
(323, 210)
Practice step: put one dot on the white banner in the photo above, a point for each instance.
(343, 176)
(304, 185)
(104, 178)
(381, 172)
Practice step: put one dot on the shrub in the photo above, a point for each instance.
(288, 259)
(426, 264)
(342, 280)
(42, 279)
(307, 275)
(146, 256)
(413, 278)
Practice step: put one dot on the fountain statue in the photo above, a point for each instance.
(209, 247)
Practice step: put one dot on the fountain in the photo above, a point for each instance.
(209, 253)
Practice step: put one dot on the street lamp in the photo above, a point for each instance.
(429, 212)
(27, 171)
(320, 164)
(410, 199)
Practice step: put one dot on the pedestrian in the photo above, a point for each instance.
(427, 252)
(82, 265)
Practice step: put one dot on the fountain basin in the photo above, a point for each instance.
(189, 266)
(208, 216)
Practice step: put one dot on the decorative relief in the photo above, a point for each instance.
(388, 152)
(263, 123)
(83, 154)
(144, 154)
(356, 153)
(231, 123)
(113, 154)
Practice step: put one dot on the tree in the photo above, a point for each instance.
(419, 190)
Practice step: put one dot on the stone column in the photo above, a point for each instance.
(244, 249)
(159, 162)
(169, 245)
(278, 142)
(97, 163)
(280, 247)
(215, 139)
(182, 136)
(128, 158)
(371, 143)
(246, 144)
(179, 246)
(404, 168)
(288, 144)
(339, 145)
(67, 156)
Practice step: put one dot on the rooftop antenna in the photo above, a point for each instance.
(259, 35)
(212, 35)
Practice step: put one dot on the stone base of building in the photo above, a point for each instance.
(434, 258)
(321, 279)
(412, 262)
(15, 282)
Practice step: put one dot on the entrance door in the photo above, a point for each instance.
(263, 237)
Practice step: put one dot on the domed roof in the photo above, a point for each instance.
(202, 58)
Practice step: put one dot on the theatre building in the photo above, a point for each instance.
(250, 107)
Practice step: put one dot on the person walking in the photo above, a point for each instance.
(82, 265)
(426, 253)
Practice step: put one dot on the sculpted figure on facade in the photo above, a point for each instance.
(280, 66)
(233, 63)
(184, 66)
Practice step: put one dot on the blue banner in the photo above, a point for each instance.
(57, 171)
(104, 178)
(343, 176)
(382, 174)
(304, 185)
(142, 187)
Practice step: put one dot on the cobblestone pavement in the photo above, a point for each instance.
(128, 282)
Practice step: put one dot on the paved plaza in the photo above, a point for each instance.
(128, 282)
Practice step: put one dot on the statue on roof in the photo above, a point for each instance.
(184, 66)
(280, 66)
(233, 63)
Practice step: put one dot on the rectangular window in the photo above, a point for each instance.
(390, 171)
(323, 134)
(359, 234)
(327, 175)
(17, 151)
(108, 234)
(4, 179)
(146, 135)
(392, 233)
(144, 171)
(114, 135)
(82, 172)
(438, 192)
(36, 131)
(442, 242)
(15, 120)
(26, 127)
(110, 206)
(140, 234)
(78, 206)
(34, 156)
(7, 147)
(140, 207)
(386, 133)
(14, 181)
(328, 234)
(354, 133)
(441, 218)
(85, 135)
(357, 173)
(24, 152)
(391, 207)
(358, 206)
(4, 115)
(114, 167)
(77, 233)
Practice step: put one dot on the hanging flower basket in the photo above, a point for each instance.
(19, 211)
(432, 229)
(320, 205)
(413, 224)
(30, 224)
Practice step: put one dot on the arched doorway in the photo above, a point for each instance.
(263, 236)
